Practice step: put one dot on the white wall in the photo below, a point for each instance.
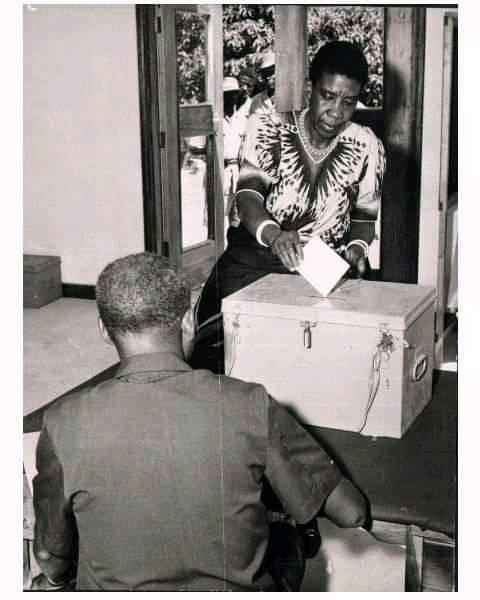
(82, 161)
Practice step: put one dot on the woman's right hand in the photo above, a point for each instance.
(288, 249)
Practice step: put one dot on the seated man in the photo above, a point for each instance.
(152, 480)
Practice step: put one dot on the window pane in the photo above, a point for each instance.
(194, 186)
(363, 25)
(191, 57)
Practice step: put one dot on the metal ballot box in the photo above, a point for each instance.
(359, 360)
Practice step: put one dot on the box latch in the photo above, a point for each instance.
(307, 333)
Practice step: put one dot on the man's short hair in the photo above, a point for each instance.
(139, 292)
(342, 58)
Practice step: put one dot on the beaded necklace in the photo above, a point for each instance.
(316, 154)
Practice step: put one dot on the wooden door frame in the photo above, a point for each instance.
(150, 127)
(160, 126)
(403, 122)
(436, 148)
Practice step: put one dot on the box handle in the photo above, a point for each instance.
(420, 367)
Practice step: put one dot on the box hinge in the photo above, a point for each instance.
(161, 140)
(158, 25)
(165, 249)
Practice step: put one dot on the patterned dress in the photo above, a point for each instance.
(333, 193)
(315, 193)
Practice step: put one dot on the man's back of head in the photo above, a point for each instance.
(140, 294)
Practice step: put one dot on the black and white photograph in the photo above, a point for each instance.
(239, 360)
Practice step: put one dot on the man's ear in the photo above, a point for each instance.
(103, 332)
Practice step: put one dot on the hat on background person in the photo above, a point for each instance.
(230, 84)
(268, 60)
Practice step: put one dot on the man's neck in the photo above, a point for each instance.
(151, 342)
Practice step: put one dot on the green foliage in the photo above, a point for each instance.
(249, 31)
(191, 57)
(360, 25)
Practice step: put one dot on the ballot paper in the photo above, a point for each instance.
(322, 267)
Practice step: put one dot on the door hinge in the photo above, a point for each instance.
(435, 332)
(161, 140)
(158, 25)
(165, 249)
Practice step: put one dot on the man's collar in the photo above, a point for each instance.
(159, 361)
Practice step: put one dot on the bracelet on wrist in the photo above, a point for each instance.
(261, 227)
(54, 583)
(360, 243)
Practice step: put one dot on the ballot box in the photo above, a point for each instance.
(359, 359)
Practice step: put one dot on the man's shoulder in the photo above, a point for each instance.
(70, 406)
(231, 391)
(224, 383)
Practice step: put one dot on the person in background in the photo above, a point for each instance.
(311, 173)
(234, 124)
(247, 80)
(263, 101)
(152, 480)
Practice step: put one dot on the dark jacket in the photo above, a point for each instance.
(159, 471)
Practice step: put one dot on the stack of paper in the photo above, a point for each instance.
(322, 267)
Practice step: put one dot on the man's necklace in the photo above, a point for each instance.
(317, 154)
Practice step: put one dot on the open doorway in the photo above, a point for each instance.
(181, 127)
(439, 198)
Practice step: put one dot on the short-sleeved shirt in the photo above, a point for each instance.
(233, 132)
(160, 470)
(303, 190)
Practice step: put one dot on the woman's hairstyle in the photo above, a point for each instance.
(140, 291)
(342, 58)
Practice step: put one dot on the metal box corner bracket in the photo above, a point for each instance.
(359, 360)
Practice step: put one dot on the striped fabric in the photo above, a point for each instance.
(316, 197)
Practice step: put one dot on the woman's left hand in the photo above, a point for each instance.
(359, 264)
(42, 584)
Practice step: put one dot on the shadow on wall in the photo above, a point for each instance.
(401, 197)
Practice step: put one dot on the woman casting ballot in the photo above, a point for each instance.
(305, 174)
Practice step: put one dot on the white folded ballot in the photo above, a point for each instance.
(322, 267)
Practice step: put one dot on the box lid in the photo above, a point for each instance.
(33, 263)
(353, 302)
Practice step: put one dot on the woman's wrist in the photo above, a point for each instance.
(267, 232)
(60, 582)
(361, 243)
